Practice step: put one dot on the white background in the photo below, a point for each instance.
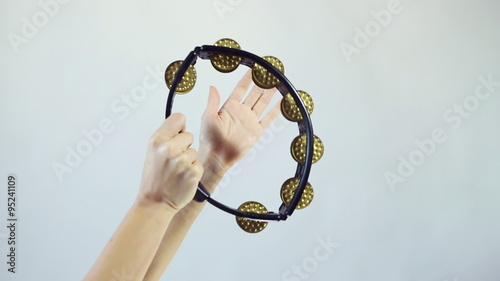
(372, 106)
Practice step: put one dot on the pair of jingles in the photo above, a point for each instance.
(296, 106)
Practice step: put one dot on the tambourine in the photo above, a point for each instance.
(296, 106)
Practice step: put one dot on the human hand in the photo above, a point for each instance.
(229, 133)
(171, 171)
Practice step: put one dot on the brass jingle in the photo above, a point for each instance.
(188, 79)
(226, 63)
(298, 149)
(251, 226)
(263, 78)
(290, 109)
(288, 190)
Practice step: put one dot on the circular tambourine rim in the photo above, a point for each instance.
(284, 87)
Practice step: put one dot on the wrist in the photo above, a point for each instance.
(150, 203)
(213, 169)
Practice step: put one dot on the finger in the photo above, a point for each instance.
(213, 101)
(180, 143)
(242, 87)
(271, 115)
(190, 155)
(198, 166)
(263, 101)
(253, 96)
(173, 125)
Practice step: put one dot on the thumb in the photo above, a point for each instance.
(213, 101)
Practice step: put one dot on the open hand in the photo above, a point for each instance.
(228, 133)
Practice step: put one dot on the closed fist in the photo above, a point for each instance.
(171, 170)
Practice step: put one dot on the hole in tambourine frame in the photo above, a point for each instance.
(259, 175)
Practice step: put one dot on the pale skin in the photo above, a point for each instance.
(152, 231)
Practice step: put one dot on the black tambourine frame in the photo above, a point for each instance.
(284, 87)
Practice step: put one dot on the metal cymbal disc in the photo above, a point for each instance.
(288, 190)
(225, 63)
(298, 149)
(262, 78)
(290, 109)
(188, 79)
(251, 226)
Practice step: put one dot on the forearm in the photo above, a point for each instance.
(133, 245)
(181, 223)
